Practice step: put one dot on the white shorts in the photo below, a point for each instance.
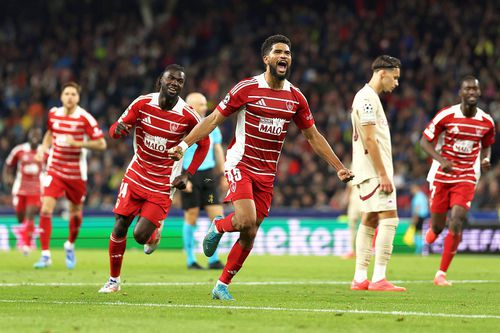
(373, 200)
(354, 206)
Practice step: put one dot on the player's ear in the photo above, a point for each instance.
(265, 59)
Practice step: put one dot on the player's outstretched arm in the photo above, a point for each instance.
(323, 149)
(203, 129)
(97, 144)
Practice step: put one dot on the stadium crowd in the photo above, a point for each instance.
(116, 50)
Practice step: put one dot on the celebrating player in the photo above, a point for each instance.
(161, 121)
(70, 129)
(201, 191)
(26, 189)
(464, 135)
(372, 164)
(265, 105)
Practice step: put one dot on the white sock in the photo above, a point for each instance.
(440, 272)
(383, 246)
(68, 245)
(363, 252)
(46, 253)
(114, 279)
(219, 282)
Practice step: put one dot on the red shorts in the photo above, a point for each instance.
(133, 201)
(20, 202)
(444, 196)
(55, 186)
(244, 184)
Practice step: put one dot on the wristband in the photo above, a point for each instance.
(184, 146)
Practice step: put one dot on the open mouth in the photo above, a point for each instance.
(282, 66)
(172, 90)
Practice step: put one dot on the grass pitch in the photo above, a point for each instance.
(273, 294)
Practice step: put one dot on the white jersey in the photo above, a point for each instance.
(367, 110)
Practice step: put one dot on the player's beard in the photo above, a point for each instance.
(280, 77)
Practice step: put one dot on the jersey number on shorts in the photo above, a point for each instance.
(233, 175)
(123, 190)
(47, 180)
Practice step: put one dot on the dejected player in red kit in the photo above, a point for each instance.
(161, 121)
(464, 135)
(26, 188)
(264, 105)
(71, 130)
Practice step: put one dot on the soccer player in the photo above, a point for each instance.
(201, 190)
(26, 187)
(71, 130)
(372, 164)
(265, 105)
(161, 121)
(464, 135)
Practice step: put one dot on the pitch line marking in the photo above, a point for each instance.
(261, 308)
(250, 283)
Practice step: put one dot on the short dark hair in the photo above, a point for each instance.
(72, 84)
(171, 67)
(468, 77)
(271, 40)
(385, 62)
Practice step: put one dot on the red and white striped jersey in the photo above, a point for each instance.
(459, 140)
(66, 161)
(262, 122)
(156, 131)
(28, 173)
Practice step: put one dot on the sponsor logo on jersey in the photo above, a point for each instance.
(155, 142)
(261, 102)
(271, 125)
(463, 146)
(147, 120)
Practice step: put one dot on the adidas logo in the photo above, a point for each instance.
(261, 102)
(455, 130)
(147, 120)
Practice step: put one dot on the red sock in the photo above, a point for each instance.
(235, 260)
(28, 228)
(116, 250)
(225, 224)
(46, 230)
(74, 227)
(451, 242)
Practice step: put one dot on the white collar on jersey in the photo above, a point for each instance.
(261, 80)
(459, 114)
(178, 107)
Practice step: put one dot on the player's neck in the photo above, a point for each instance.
(167, 103)
(69, 111)
(273, 82)
(468, 111)
(375, 84)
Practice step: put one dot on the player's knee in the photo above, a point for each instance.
(120, 229)
(245, 222)
(141, 237)
(455, 225)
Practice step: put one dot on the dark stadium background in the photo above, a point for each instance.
(116, 50)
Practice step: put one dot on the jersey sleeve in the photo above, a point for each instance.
(49, 118)
(234, 100)
(489, 138)
(367, 111)
(434, 128)
(303, 118)
(131, 114)
(92, 128)
(13, 157)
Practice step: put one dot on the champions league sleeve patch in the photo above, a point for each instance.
(367, 113)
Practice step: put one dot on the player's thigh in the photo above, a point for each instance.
(76, 191)
(375, 200)
(52, 186)
(156, 209)
(461, 194)
(439, 198)
(128, 202)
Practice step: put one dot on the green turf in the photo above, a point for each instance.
(309, 285)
